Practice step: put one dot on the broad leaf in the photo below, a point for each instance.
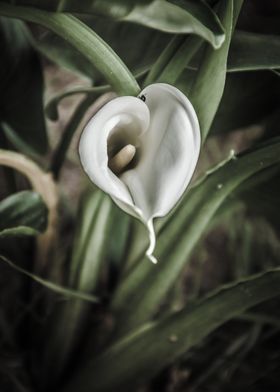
(120, 36)
(23, 213)
(142, 354)
(250, 51)
(21, 83)
(173, 59)
(247, 52)
(69, 320)
(91, 240)
(207, 89)
(169, 16)
(178, 16)
(145, 287)
(248, 98)
(84, 40)
(62, 53)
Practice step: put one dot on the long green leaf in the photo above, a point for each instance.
(69, 319)
(92, 238)
(120, 36)
(247, 52)
(21, 85)
(23, 213)
(178, 16)
(142, 354)
(208, 87)
(172, 61)
(64, 291)
(251, 51)
(169, 16)
(85, 40)
(145, 287)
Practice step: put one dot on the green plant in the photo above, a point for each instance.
(85, 310)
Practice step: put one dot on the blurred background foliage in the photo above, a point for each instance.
(80, 306)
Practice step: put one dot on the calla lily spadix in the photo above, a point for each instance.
(143, 152)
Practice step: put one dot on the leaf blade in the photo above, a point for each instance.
(207, 89)
(51, 285)
(143, 289)
(23, 213)
(144, 352)
(21, 103)
(251, 51)
(168, 16)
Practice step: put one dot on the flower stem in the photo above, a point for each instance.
(85, 40)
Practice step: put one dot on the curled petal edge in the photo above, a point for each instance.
(162, 114)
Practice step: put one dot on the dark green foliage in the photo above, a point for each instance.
(21, 84)
(23, 213)
(97, 315)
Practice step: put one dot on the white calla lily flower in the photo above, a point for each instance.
(143, 152)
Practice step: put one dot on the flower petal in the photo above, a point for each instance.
(122, 113)
(170, 152)
(167, 128)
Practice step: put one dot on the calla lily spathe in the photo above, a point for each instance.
(143, 152)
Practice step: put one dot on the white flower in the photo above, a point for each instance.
(143, 152)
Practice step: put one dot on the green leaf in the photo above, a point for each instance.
(203, 20)
(145, 286)
(17, 142)
(83, 39)
(262, 194)
(62, 53)
(91, 239)
(97, 239)
(177, 16)
(172, 61)
(69, 320)
(207, 89)
(18, 231)
(120, 36)
(250, 51)
(52, 286)
(23, 213)
(249, 98)
(173, 16)
(21, 84)
(142, 354)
